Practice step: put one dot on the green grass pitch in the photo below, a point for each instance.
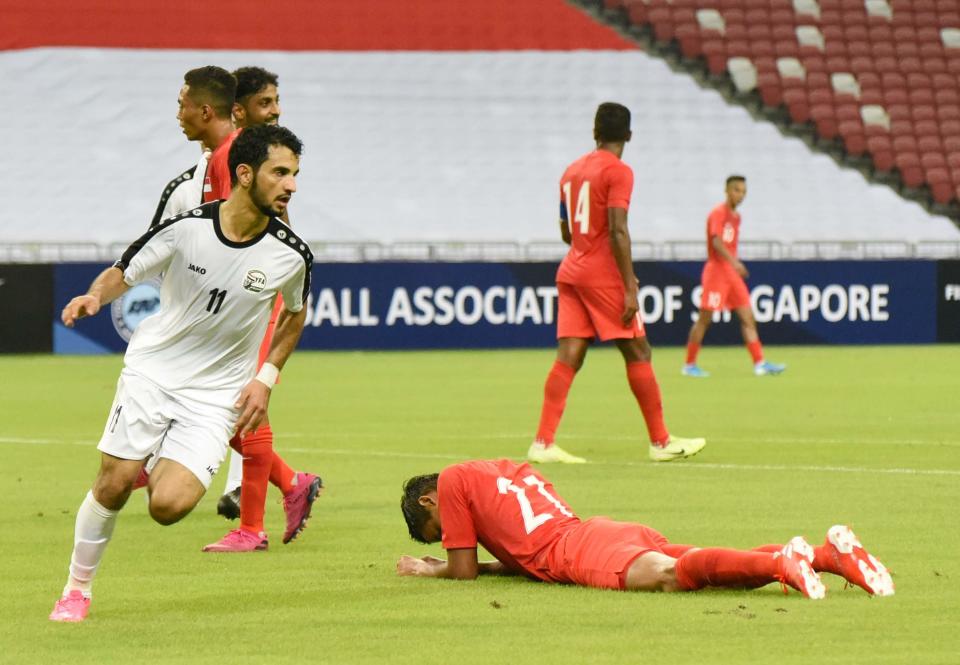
(868, 436)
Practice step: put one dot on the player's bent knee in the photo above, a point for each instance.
(652, 571)
(168, 510)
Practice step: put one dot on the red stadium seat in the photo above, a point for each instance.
(880, 33)
(909, 166)
(906, 50)
(904, 145)
(814, 64)
(949, 128)
(881, 152)
(926, 128)
(825, 120)
(942, 191)
(856, 32)
(857, 49)
(770, 92)
(953, 165)
(856, 65)
(946, 113)
(787, 49)
(898, 112)
(951, 143)
(886, 64)
(891, 80)
(920, 96)
(946, 97)
(923, 113)
(819, 82)
(715, 53)
(895, 97)
(929, 144)
(901, 128)
(848, 113)
(854, 139)
(762, 49)
(910, 65)
(797, 106)
(783, 17)
(688, 36)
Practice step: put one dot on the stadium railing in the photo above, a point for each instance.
(507, 251)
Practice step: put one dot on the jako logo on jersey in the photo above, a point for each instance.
(255, 281)
(197, 269)
(281, 234)
(134, 306)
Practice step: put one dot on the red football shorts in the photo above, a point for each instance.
(723, 289)
(599, 552)
(589, 312)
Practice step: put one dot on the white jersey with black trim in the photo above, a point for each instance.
(183, 193)
(215, 301)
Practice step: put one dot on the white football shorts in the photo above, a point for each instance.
(147, 420)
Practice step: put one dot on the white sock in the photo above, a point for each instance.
(91, 535)
(235, 472)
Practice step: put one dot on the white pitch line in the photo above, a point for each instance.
(692, 465)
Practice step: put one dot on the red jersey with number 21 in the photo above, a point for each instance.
(597, 181)
(508, 508)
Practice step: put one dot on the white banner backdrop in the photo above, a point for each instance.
(416, 146)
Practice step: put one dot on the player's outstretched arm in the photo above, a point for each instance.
(255, 396)
(107, 287)
(462, 565)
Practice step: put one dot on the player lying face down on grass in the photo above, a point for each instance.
(189, 378)
(515, 513)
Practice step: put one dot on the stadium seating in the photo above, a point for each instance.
(880, 76)
(410, 141)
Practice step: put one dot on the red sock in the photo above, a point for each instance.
(235, 444)
(823, 561)
(644, 385)
(692, 351)
(257, 459)
(717, 566)
(281, 475)
(756, 351)
(554, 400)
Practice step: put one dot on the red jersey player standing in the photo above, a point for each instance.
(517, 516)
(723, 284)
(257, 103)
(598, 290)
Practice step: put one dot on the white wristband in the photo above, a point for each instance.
(268, 375)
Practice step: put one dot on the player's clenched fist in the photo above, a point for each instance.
(78, 308)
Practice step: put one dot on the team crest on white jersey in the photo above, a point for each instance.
(255, 281)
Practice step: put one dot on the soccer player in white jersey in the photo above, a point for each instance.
(204, 111)
(189, 378)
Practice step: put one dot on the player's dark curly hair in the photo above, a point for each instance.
(612, 123)
(213, 86)
(735, 178)
(415, 514)
(252, 146)
(251, 80)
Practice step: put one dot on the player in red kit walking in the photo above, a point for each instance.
(723, 284)
(598, 290)
(257, 104)
(517, 516)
